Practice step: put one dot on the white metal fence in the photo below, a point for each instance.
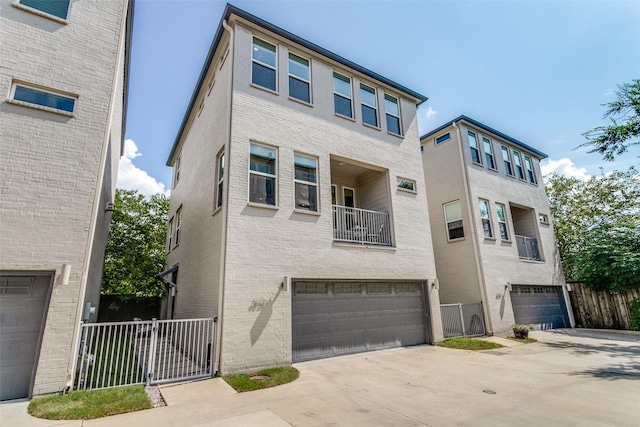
(144, 352)
(362, 226)
(462, 320)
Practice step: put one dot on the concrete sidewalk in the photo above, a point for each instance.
(562, 380)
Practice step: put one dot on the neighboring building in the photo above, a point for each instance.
(298, 213)
(63, 83)
(491, 225)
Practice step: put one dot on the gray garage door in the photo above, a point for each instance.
(542, 306)
(334, 318)
(23, 300)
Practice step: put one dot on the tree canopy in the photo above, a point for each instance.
(136, 245)
(624, 132)
(597, 227)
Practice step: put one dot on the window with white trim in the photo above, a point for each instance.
(443, 138)
(474, 147)
(342, 95)
(32, 96)
(507, 161)
(453, 219)
(544, 219)
(306, 182)
(169, 234)
(530, 173)
(264, 64)
(501, 213)
(178, 226)
(299, 78)
(406, 184)
(369, 101)
(518, 162)
(392, 110)
(57, 8)
(220, 178)
(262, 174)
(176, 168)
(488, 153)
(485, 214)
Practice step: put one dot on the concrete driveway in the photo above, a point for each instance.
(567, 378)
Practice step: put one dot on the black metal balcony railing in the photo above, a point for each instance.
(528, 248)
(361, 226)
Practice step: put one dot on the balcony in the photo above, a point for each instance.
(361, 226)
(528, 248)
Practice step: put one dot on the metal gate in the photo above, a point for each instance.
(145, 352)
(462, 320)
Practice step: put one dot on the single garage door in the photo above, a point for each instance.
(23, 300)
(334, 318)
(542, 306)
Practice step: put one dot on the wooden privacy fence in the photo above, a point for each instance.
(601, 309)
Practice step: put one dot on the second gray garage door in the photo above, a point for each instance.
(542, 306)
(334, 318)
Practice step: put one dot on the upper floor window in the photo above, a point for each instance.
(342, 95)
(488, 153)
(45, 98)
(453, 218)
(220, 167)
(263, 64)
(262, 174)
(406, 184)
(518, 162)
(507, 161)
(306, 182)
(57, 8)
(169, 234)
(501, 213)
(176, 167)
(544, 219)
(299, 78)
(475, 149)
(178, 226)
(443, 138)
(530, 173)
(486, 218)
(369, 102)
(393, 114)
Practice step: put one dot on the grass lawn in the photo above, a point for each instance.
(262, 379)
(469, 344)
(88, 404)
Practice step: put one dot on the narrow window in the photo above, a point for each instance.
(453, 218)
(334, 194)
(263, 67)
(443, 138)
(507, 161)
(475, 149)
(169, 234)
(544, 219)
(369, 105)
(518, 162)
(393, 114)
(306, 182)
(488, 153)
(486, 218)
(529, 165)
(502, 221)
(178, 226)
(299, 78)
(44, 98)
(176, 177)
(349, 197)
(262, 175)
(342, 95)
(406, 184)
(220, 166)
(59, 8)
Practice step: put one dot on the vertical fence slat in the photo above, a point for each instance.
(601, 308)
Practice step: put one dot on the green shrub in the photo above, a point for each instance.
(634, 318)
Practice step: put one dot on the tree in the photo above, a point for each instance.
(616, 138)
(136, 245)
(597, 227)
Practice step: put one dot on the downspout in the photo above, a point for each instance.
(474, 237)
(225, 205)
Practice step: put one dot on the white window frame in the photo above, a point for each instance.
(519, 169)
(220, 169)
(476, 148)
(486, 219)
(353, 190)
(265, 174)
(334, 192)
(448, 221)
(12, 99)
(176, 173)
(391, 98)
(543, 219)
(178, 217)
(531, 173)
(507, 161)
(36, 11)
(304, 182)
(503, 208)
(489, 157)
(293, 76)
(274, 68)
(169, 234)
(442, 138)
(350, 98)
(373, 107)
(401, 184)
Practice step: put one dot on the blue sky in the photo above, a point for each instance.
(538, 71)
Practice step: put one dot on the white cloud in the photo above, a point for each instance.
(132, 178)
(430, 112)
(564, 167)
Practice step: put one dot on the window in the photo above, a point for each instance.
(486, 218)
(45, 98)
(349, 197)
(530, 173)
(342, 95)
(393, 114)
(443, 138)
(488, 153)
(518, 161)
(220, 166)
(369, 105)
(263, 67)
(57, 8)
(507, 161)
(169, 234)
(406, 184)
(544, 219)
(334, 194)
(502, 221)
(176, 167)
(178, 226)
(299, 78)
(475, 149)
(262, 175)
(453, 218)
(306, 182)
